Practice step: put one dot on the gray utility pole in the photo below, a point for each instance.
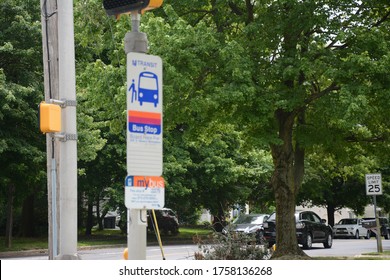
(136, 41)
(60, 87)
(378, 228)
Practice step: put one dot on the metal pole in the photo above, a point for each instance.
(378, 229)
(136, 234)
(68, 146)
(54, 207)
(136, 41)
(50, 65)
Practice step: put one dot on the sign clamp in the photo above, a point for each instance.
(63, 137)
(64, 102)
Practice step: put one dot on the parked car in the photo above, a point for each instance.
(370, 223)
(250, 224)
(350, 228)
(310, 228)
(166, 220)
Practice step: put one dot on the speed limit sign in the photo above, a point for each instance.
(374, 184)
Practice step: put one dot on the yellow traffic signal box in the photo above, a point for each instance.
(117, 7)
(49, 117)
(153, 4)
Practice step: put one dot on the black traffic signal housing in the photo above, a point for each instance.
(116, 7)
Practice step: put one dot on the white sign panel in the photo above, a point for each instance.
(144, 192)
(373, 184)
(144, 115)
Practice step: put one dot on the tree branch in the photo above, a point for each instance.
(201, 11)
(322, 93)
(382, 20)
(235, 9)
(375, 139)
(240, 12)
(299, 157)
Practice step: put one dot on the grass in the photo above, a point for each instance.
(187, 232)
(22, 244)
(385, 255)
(101, 238)
(376, 253)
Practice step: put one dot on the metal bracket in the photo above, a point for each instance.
(64, 103)
(136, 41)
(63, 137)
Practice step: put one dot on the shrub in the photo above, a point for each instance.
(232, 246)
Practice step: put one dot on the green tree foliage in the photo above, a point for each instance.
(22, 159)
(289, 74)
(222, 167)
(101, 183)
(251, 89)
(100, 86)
(337, 181)
(189, 162)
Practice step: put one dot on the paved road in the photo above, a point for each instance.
(341, 247)
(347, 247)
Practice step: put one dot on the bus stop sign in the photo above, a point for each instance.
(144, 115)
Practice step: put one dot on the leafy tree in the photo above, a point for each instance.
(336, 181)
(101, 183)
(224, 174)
(290, 74)
(179, 183)
(187, 161)
(21, 150)
(101, 112)
(222, 166)
(240, 77)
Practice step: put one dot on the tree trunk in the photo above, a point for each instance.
(219, 220)
(288, 161)
(10, 216)
(27, 226)
(99, 216)
(330, 209)
(89, 225)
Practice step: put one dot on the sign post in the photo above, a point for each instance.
(374, 188)
(144, 188)
(144, 115)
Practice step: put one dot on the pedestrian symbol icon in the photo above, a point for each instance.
(133, 92)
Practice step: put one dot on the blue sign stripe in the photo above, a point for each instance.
(144, 128)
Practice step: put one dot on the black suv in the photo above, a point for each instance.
(310, 228)
(166, 219)
(371, 224)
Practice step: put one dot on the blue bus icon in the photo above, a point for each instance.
(148, 88)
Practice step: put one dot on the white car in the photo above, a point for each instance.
(351, 228)
(249, 224)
